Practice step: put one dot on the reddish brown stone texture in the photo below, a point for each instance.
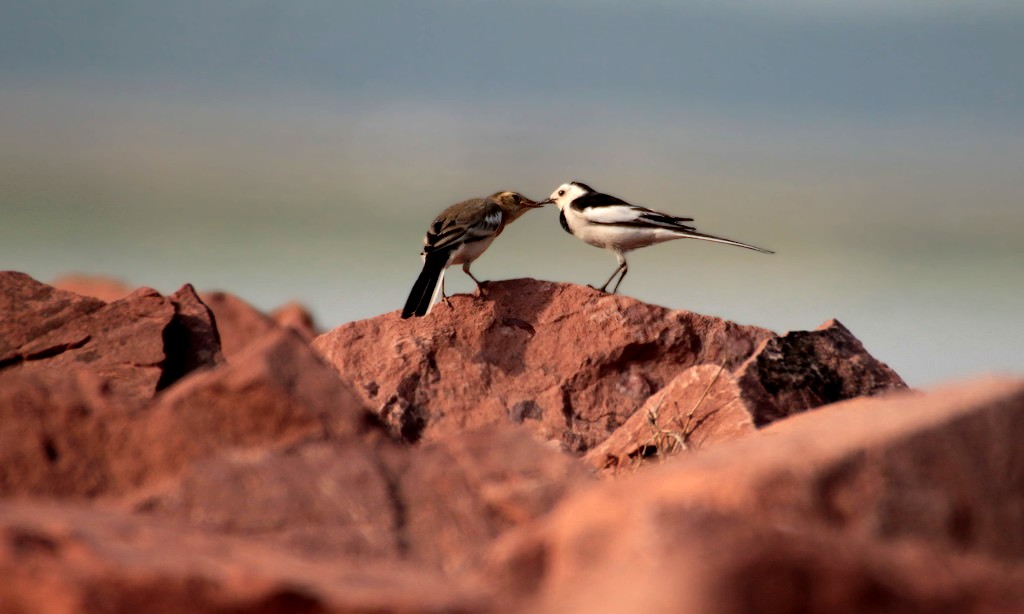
(439, 505)
(570, 362)
(901, 503)
(701, 406)
(69, 436)
(240, 324)
(137, 345)
(69, 559)
(31, 310)
(56, 433)
(276, 392)
(298, 318)
(806, 369)
(667, 560)
(178, 481)
(707, 404)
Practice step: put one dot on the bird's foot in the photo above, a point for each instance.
(447, 302)
(480, 289)
(602, 289)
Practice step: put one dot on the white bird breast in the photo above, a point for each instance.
(468, 252)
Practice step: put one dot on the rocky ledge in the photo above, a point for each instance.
(540, 447)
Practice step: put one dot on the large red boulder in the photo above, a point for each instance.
(906, 502)
(570, 362)
(575, 364)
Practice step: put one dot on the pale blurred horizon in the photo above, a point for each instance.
(298, 153)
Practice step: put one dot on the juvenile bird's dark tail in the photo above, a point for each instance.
(427, 284)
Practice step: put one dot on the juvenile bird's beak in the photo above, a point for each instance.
(543, 202)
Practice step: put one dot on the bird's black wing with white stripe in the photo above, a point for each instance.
(611, 211)
(605, 209)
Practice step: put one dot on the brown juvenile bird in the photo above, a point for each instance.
(459, 236)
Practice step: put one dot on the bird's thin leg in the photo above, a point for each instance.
(479, 284)
(622, 267)
(625, 269)
(613, 273)
(444, 297)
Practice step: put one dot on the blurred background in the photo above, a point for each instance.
(298, 151)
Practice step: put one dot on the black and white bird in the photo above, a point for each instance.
(613, 224)
(458, 236)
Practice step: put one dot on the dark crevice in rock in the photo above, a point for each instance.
(175, 337)
(50, 450)
(57, 350)
(399, 509)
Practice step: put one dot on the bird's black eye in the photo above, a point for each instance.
(561, 192)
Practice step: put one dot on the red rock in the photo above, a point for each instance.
(31, 310)
(439, 505)
(798, 371)
(277, 392)
(571, 363)
(463, 491)
(106, 289)
(238, 322)
(73, 560)
(138, 345)
(191, 341)
(874, 504)
(806, 369)
(703, 405)
(56, 431)
(298, 318)
(68, 435)
(668, 560)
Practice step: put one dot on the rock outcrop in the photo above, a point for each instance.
(238, 322)
(909, 502)
(190, 453)
(575, 364)
(138, 345)
(706, 404)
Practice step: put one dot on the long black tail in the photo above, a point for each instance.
(422, 294)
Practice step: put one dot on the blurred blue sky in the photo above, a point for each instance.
(298, 151)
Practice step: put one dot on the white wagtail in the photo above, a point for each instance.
(612, 223)
(458, 236)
